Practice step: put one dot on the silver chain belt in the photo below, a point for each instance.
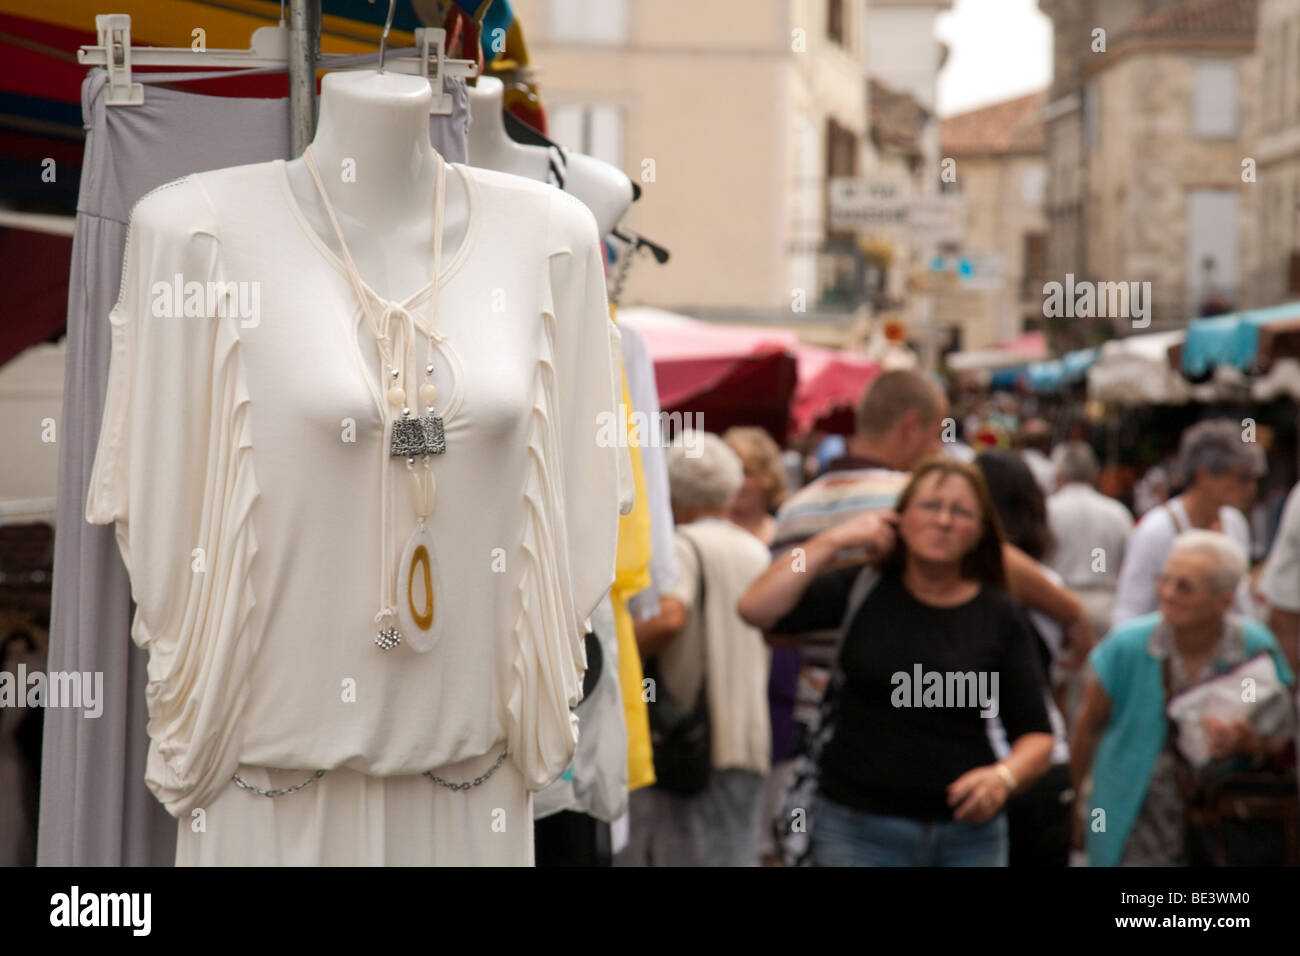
(241, 782)
(469, 785)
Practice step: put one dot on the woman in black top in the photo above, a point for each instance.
(907, 775)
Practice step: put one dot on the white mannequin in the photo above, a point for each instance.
(603, 188)
(378, 124)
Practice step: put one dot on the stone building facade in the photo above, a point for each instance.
(1001, 173)
(1148, 112)
(1273, 271)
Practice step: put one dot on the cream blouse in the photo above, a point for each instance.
(241, 457)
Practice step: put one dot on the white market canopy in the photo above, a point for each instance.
(1022, 350)
(1136, 371)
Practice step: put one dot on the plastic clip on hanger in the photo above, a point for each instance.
(268, 53)
(269, 47)
(431, 44)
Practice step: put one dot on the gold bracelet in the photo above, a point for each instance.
(1007, 776)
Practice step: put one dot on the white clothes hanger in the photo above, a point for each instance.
(268, 52)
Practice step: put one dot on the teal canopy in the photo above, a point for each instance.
(1230, 339)
(1054, 375)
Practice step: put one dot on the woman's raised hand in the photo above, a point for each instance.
(876, 531)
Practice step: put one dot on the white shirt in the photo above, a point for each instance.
(263, 449)
(654, 468)
(1281, 583)
(1082, 520)
(1148, 549)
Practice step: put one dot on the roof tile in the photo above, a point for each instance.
(1194, 17)
(1012, 126)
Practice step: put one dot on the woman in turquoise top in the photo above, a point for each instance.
(1135, 814)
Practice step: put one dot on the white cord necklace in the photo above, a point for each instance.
(407, 598)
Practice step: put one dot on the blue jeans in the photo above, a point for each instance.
(842, 836)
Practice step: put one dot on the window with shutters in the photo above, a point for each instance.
(594, 130)
(1214, 101)
(841, 160)
(588, 21)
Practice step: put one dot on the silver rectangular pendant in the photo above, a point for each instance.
(408, 437)
(435, 441)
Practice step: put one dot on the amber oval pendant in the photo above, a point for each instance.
(418, 591)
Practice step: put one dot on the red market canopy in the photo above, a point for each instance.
(749, 375)
(692, 357)
(830, 384)
(728, 374)
(36, 267)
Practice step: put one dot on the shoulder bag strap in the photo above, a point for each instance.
(863, 585)
(1178, 525)
(699, 560)
(700, 593)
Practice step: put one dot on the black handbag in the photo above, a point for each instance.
(680, 738)
(1246, 819)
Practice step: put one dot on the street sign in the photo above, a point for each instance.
(984, 270)
(869, 205)
(866, 204)
(975, 270)
(936, 219)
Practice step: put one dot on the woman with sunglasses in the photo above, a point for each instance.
(1221, 471)
(907, 776)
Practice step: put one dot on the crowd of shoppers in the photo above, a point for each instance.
(936, 652)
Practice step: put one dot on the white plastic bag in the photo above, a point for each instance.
(1251, 691)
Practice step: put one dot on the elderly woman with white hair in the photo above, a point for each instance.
(1137, 812)
(703, 655)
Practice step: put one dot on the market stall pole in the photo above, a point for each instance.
(304, 47)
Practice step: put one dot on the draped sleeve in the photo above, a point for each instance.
(173, 472)
(574, 490)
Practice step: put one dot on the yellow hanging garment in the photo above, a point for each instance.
(632, 574)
